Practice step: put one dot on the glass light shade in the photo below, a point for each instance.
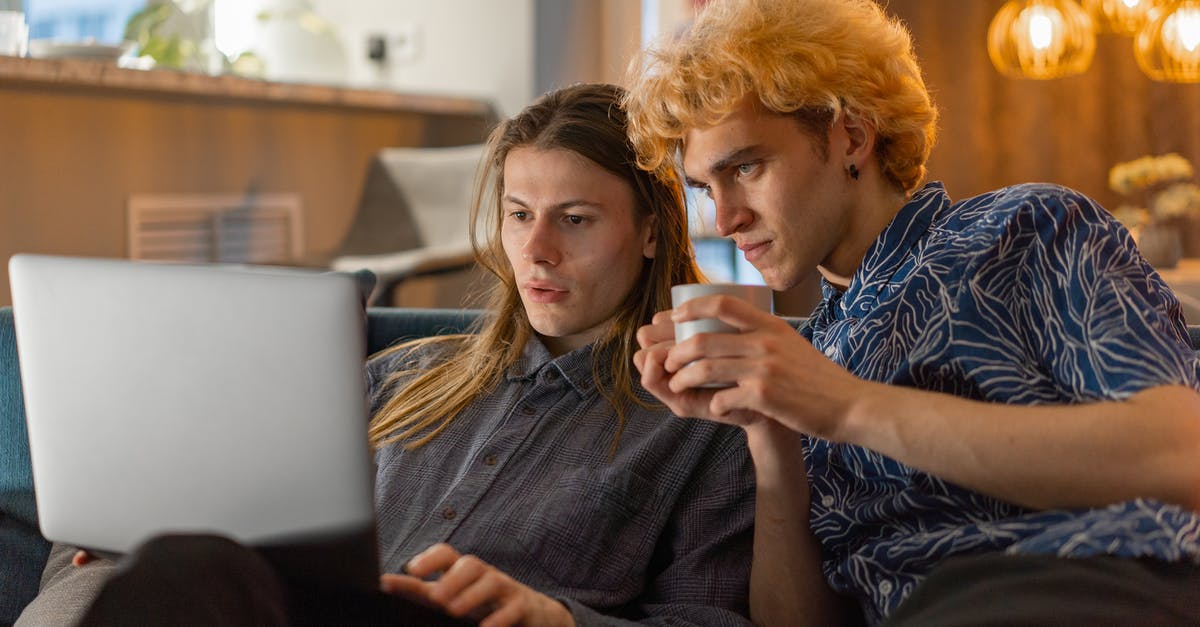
(1168, 47)
(1123, 17)
(1041, 39)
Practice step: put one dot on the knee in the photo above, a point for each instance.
(177, 557)
(191, 580)
(188, 547)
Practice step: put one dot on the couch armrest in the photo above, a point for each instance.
(390, 325)
(393, 268)
(16, 477)
(23, 553)
(23, 550)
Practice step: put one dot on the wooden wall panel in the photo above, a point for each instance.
(996, 131)
(71, 154)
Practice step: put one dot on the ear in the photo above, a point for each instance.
(860, 138)
(649, 236)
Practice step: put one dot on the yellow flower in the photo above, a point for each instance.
(1159, 186)
(1149, 171)
(1178, 200)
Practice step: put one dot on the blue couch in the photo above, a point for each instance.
(23, 550)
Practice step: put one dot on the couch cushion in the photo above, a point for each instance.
(16, 480)
(22, 549)
(23, 554)
(390, 325)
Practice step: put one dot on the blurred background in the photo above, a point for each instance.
(260, 130)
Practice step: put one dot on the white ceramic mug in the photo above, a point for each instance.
(760, 296)
(14, 34)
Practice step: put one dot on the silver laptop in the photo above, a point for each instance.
(197, 399)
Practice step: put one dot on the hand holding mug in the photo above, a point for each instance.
(758, 295)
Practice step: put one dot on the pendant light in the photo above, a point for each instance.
(1041, 39)
(1167, 48)
(1122, 17)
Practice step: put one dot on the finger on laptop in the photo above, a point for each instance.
(408, 587)
(432, 561)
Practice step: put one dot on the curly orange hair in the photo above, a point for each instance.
(813, 58)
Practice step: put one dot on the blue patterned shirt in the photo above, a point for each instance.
(524, 478)
(1030, 295)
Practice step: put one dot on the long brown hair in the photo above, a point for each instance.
(586, 119)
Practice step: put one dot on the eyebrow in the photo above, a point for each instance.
(724, 163)
(566, 204)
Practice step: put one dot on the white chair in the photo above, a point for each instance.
(412, 219)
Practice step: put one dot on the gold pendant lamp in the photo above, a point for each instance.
(1121, 17)
(1041, 39)
(1167, 48)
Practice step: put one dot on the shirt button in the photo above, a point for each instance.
(490, 460)
(528, 411)
(449, 513)
(829, 351)
(552, 374)
(885, 587)
(827, 500)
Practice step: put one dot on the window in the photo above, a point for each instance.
(717, 256)
(80, 20)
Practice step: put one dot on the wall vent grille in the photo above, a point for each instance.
(266, 228)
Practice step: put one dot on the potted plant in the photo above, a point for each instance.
(176, 34)
(1162, 206)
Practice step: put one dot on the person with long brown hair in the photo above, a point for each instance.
(575, 123)
(523, 477)
(567, 475)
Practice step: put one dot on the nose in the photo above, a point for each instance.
(732, 213)
(541, 245)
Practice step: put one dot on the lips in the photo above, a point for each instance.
(543, 292)
(754, 250)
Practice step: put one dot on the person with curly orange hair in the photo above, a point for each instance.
(992, 416)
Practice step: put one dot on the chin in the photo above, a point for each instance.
(547, 324)
(774, 280)
(542, 324)
(782, 279)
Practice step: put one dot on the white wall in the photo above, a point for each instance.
(480, 48)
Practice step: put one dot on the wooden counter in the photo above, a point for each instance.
(78, 137)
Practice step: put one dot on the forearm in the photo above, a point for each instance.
(786, 584)
(1040, 456)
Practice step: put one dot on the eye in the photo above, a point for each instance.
(574, 219)
(747, 168)
(518, 215)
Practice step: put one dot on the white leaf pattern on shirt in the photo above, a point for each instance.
(1028, 295)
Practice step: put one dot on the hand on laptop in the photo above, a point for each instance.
(465, 585)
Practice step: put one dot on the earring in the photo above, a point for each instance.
(853, 169)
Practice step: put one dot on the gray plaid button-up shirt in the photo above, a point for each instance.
(524, 479)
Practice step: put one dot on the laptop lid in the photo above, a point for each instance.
(174, 398)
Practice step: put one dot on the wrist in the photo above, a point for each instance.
(861, 418)
(770, 440)
(777, 451)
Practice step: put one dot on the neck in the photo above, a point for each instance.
(874, 203)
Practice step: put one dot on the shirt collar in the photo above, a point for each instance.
(889, 251)
(536, 363)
